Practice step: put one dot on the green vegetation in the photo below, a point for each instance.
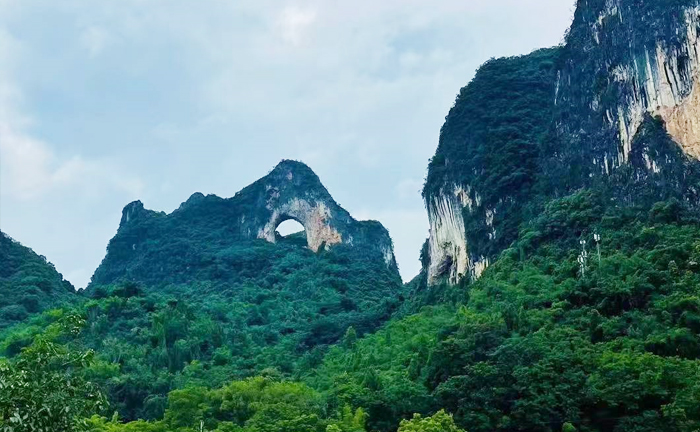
(45, 387)
(500, 121)
(440, 422)
(538, 342)
(258, 404)
(278, 306)
(28, 283)
(533, 128)
(587, 320)
(208, 238)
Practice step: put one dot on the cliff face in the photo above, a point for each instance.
(149, 243)
(616, 108)
(293, 191)
(626, 60)
(486, 163)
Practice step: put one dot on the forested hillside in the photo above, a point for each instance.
(543, 341)
(587, 114)
(284, 307)
(29, 284)
(186, 299)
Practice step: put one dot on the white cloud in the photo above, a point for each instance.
(50, 201)
(94, 39)
(294, 24)
(29, 167)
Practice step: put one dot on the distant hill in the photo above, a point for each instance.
(199, 240)
(28, 283)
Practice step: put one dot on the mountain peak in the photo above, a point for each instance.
(293, 166)
(131, 211)
(290, 191)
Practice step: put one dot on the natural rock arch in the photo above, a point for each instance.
(290, 191)
(314, 217)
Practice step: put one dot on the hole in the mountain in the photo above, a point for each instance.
(291, 230)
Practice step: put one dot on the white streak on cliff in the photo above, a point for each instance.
(610, 10)
(480, 266)
(449, 252)
(664, 83)
(448, 242)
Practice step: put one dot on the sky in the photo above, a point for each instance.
(106, 102)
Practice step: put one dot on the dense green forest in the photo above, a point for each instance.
(279, 307)
(543, 341)
(29, 284)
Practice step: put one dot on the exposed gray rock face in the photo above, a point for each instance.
(645, 61)
(485, 162)
(288, 195)
(621, 114)
(314, 217)
(293, 191)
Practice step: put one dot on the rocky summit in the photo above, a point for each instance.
(290, 191)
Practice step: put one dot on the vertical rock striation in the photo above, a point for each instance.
(616, 108)
(447, 241)
(486, 163)
(631, 61)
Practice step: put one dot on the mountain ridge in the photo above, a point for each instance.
(29, 283)
(560, 287)
(290, 191)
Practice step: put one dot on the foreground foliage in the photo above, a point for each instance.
(45, 388)
(257, 404)
(440, 422)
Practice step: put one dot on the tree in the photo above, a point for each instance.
(188, 407)
(349, 421)
(440, 422)
(350, 337)
(44, 388)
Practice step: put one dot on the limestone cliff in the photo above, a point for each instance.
(616, 108)
(290, 191)
(625, 60)
(486, 163)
